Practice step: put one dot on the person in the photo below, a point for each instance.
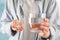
(15, 9)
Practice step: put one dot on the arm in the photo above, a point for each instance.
(54, 16)
(6, 23)
(7, 18)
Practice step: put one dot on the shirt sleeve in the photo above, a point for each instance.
(7, 17)
(54, 15)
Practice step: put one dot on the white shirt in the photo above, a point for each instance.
(12, 12)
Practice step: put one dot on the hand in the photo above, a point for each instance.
(45, 26)
(17, 25)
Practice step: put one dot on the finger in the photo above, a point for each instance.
(20, 29)
(45, 31)
(46, 20)
(46, 24)
(14, 28)
(42, 33)
(44, 28)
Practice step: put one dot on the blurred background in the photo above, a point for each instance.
(2, 5)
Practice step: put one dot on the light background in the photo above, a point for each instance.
(2, 5)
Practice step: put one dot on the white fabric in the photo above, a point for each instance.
(26, 34)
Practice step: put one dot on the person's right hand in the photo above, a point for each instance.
(17, 25)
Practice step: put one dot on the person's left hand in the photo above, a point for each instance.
(45, 26)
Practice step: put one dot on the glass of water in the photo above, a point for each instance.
(35, 21)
